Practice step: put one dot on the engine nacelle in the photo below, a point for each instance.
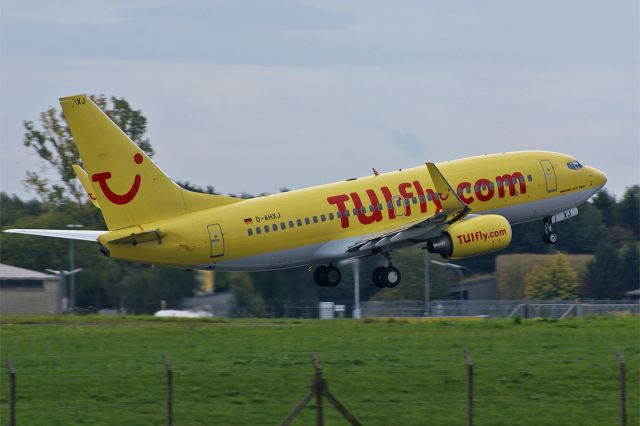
(476, 235)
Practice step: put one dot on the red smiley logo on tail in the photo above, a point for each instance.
(125, 198)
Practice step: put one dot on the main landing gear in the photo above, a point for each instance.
(549, 237)
(386, 276)
(327, 276)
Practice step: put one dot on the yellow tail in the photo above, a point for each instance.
(128, 186)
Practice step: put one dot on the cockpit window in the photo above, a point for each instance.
(574, 165)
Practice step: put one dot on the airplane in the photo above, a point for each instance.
(457, 208)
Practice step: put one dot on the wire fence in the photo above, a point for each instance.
(167, 373)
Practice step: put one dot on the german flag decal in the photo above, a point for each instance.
(248, 221)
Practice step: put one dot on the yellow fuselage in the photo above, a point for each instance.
(521, 186)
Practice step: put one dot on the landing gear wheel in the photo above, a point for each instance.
(327, 276)
(332, 276)
(549, 237)
(386, 277)
(377, 277)
(320, 275)
(390, 276)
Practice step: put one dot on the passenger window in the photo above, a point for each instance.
(266, 229)
(299, 222)
(363, 209)
(323, 218)
(355, 212)
(339, 214)
(422, 198)
(389, 205)
(491, 185)
(515, 180)
(250, 232)
(258, 230)
(330, 216)
(406, 201)
(529, 178)
(290, 224)
(380, 206)
(283, 225)
(429, 197)
(274, 227)
(398, 202)
(346, 213)
(521, 178)
(371, 208)
(315, 219)
(307, 221)
(415, 200)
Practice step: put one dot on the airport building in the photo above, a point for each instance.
(23, 291)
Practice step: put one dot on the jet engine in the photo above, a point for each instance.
(473, 236)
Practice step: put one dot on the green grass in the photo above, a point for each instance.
(108, 371)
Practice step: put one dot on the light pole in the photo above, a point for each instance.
(427, 284)
(61, 275)
(458, 269)
(72, 266)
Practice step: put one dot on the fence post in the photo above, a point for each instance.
(169, 390)
(12, 392)
(319, 391)
(469, 362)
(623, 393)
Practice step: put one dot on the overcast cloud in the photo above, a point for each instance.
(257, 95)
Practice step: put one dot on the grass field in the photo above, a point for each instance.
(109, 371)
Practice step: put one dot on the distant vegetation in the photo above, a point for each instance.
(606, 228)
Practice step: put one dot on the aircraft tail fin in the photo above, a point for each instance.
(127, 185)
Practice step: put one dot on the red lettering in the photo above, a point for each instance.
(481, 185)
(502, 182)
(435, 199)
(461, 189)
(376, 216)
(406, 195)
(389, 199)
(421, 196)
(340, 201)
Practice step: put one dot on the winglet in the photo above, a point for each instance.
(448, 197)
(86, 184)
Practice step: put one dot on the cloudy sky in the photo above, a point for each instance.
(251, 96)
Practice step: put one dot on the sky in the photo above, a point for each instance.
(252, 96)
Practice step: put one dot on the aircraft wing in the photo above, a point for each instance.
(74, 234)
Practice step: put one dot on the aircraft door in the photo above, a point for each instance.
(398, 205)
(549, 175)
(216, 240)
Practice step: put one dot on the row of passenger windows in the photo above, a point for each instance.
(291, 224)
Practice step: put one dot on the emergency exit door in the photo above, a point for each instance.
(216, 240)
(549, 175)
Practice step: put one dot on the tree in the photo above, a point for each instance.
(606, 203)
(629, 210)
(629, 270)
(555, 281)
(53, 143)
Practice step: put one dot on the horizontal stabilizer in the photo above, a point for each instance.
(84, 235)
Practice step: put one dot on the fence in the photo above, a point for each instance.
(446, 308)
(319, 390)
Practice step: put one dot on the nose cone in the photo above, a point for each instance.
(598, 179)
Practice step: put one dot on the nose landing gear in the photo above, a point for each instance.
(327, 276)
(549, 237)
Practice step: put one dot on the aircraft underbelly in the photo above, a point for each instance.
(540, 209)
